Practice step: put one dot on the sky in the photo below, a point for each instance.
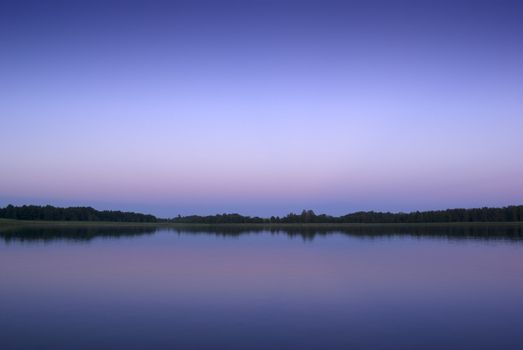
(261, 107)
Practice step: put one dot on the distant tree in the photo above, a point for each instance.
(33, 212)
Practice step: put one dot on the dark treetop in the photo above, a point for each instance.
(511, 213)
(32, 212)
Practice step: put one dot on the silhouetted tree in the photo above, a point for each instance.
(33, 212)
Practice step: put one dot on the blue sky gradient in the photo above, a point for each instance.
(261, 107)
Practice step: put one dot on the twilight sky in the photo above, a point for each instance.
(261, 107)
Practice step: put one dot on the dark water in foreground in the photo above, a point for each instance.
(388, 288)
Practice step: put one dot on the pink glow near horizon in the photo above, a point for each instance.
(262, 119)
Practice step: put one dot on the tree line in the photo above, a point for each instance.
(50, 213)
(33, 212)
(510, 213)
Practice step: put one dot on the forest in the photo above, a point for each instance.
(50, 213)
(510, 213)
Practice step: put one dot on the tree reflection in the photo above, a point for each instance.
(510, 231)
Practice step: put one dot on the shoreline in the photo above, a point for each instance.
(19, 223)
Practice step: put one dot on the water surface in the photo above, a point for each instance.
(365, 288)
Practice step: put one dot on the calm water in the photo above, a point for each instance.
(389, 288)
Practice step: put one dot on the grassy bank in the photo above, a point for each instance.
(20, 223)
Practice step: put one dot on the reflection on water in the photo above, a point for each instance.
(362, 287)
(79, 233)
(494, 231)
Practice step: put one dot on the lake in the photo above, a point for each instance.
(413, 287)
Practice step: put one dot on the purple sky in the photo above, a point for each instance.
(261, 107)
